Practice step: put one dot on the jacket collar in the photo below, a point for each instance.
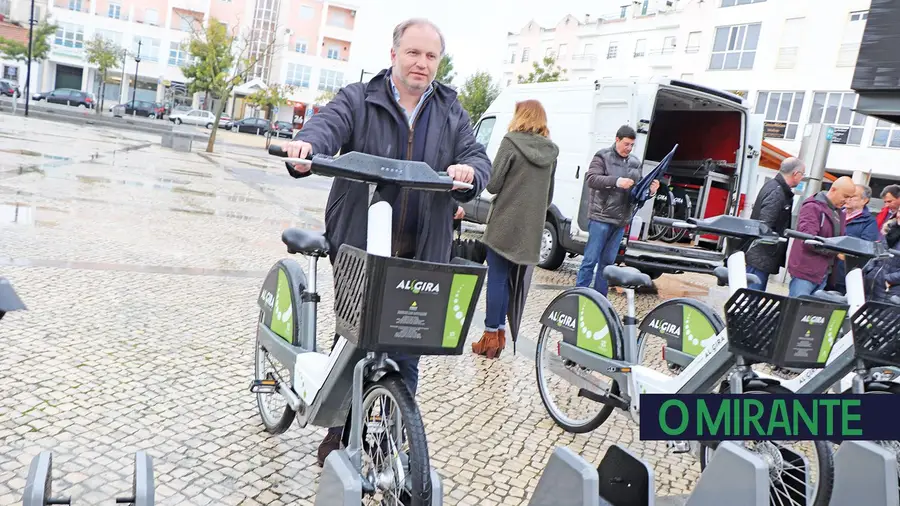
(379, 91)
(786, 188)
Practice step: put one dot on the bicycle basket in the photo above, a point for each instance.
(390, 304)
(876, 333)
(782, 331)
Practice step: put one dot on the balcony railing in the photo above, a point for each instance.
(73, 5)
(692, 49)
(847, 55)
(583, 61)
(787, 58)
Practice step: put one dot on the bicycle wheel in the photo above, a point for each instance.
(681, 210)
(784, 488)
(395, 452)
(649, 354)
(564, 374)
(662, 208)
(274, 410)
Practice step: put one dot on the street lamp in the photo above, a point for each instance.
(137, 65)
(28, 70)
(362, 74)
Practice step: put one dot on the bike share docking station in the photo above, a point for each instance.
(39, 490)
(866, 473)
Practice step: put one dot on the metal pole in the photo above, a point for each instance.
(28, 70)
(137, 65)
(361, 72)
(820, 137)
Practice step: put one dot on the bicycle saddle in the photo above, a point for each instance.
(826, 296)
(626, 277)
(721, 274)
(305, 242)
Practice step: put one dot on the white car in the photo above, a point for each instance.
(194, 117)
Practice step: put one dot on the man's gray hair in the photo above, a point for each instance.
(790, 165)
(867, 191)
(400, 29)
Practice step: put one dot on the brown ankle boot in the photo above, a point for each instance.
(488, 345)
(501, 337)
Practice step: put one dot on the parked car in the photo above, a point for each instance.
(282, 129)
(256, 126)
(194, 117)
(225, 121)
(67, 96)
(141, 108)
(178, 109)
(9, 88)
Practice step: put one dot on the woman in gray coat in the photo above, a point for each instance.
(522, 184)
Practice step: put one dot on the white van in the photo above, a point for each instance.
(719, 146)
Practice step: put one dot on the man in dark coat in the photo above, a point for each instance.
(861, 223)
(401, 113)
(773, 207)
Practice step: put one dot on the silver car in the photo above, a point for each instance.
(194, 117)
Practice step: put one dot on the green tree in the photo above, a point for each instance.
(325, 97)
(445, 73)
(546, 71)
(40, 46)
(105, 54)
(219, 62)
(275, 95)
(478, 93)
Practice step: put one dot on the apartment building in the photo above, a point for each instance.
(793, 60)
(311, 41)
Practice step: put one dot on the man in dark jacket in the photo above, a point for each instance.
(773, 207)
(612, 173)
(820, 215)
(401, 113)
(861, 223)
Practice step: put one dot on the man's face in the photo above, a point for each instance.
(840, 195)
(892, 202)
(624, 146)
(857, 201)
(797, 177)
(416, 60)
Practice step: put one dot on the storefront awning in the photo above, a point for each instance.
(772, 157)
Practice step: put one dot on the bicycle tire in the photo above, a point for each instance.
(561, 419)
(680, 212)
(273, 424)
(655, 232)
(642, 340)
(419, 471)
(825, 479)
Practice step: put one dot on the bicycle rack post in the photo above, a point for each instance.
(865, 473)
(567, 480)
(734, 476)
(142, 488)
(38, 489)
(341, 485)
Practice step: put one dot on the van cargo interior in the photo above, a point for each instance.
(708, 134)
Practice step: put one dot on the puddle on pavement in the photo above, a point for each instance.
(18, 213)
(182, 189)
(184, 172)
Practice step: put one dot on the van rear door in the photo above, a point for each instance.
(753, 138)
(613, 106)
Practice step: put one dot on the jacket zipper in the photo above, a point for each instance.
(409, 155)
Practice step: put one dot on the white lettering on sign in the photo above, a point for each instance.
(415, 286)
(813, 320)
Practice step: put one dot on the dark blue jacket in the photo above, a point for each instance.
(365, 117)
(864, 227)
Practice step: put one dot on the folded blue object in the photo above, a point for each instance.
(640, 192)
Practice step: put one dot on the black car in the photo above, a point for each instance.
(256, 126)
(9, 88)
(142, 108)
(66, 96)
(282, 129)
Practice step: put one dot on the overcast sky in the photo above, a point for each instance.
(490, 20)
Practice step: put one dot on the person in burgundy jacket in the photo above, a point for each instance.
(820, 215)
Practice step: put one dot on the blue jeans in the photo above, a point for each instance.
(799, 287)
(763, 276)
(499, 269)
(601, 249)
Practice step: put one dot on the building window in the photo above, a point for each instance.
(588, 50)
(781, 107)
(613, 50)
(69, 36)
(836, 109)
(306, 12)
(512, 57)
(731, 3)
(525, 54)
(114, 37)
(331, 80)
(640, 48)
(298, 75)
(623, 12)
(693, 43)
(735, 47)
(859, 16)
(114, 11)
(149, 48)
(333, 53)
(187, 23)
(548, 53)
(177, 54)
(301, 47)
(151, 17)
(337, 18)
(668, 44)
(75, 5)
(887, 135)
(791, 38)
(563, 51)
(644, 7)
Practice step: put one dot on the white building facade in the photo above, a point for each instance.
(793, 60)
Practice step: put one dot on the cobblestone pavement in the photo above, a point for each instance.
(141, 268)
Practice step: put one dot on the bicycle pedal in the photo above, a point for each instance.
(266, 386)
(679, 446)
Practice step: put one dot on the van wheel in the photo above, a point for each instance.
(552, 254)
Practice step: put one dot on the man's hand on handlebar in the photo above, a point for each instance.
(461, 173)
(299, 149)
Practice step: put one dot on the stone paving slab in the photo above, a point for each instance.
(140, 331)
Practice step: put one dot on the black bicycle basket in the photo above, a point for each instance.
(782, 331)
(876, 333)
(390, 304)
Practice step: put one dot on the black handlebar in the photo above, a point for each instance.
(373, 169)
(845, 244)
(726, 226)
(793, 234)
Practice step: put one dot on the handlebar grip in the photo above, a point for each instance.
(799, 235)
(671, 222)
(276, 150)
